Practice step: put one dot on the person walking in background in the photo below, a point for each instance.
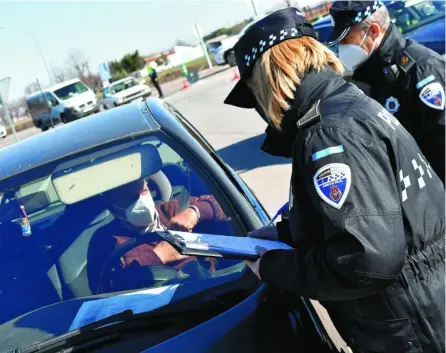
(154, 77)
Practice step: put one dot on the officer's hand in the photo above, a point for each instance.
(268, 233)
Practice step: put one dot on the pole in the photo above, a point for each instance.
(254, 7)
(50, 109)
(203, 45)
(43, 58)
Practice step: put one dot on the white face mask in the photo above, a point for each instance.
(142, 213)
(353, 55)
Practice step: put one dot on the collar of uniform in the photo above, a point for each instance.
(314, 86)
(392, 45)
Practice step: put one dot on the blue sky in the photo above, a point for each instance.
(104, 30)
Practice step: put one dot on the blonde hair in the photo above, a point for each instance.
(280, 70)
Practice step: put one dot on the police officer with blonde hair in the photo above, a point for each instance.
(366, 211)
(407, 78)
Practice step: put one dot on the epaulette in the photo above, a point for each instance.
(405, 61)
(409, 56)
(311, 117)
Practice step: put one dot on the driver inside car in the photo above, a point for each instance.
(135, 213)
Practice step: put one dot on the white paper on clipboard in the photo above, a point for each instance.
(138, 302)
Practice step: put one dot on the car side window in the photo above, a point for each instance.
(50, 98)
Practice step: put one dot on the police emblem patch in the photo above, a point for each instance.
(392, 105)
(433, 96)
(332, 183)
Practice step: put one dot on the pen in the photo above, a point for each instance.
(283, 208)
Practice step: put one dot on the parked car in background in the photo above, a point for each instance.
(124, 91)
(3, 132)
(64, 102)
(420, 20)
(53, 214)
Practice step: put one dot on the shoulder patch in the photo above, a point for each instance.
(332, 183)
(311, 117)
(433, 96)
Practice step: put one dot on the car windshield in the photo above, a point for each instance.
(122, 86)
(71, 90)
(410, 15)
(65, 227)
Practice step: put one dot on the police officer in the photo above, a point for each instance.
(366, 216)
(407, 78)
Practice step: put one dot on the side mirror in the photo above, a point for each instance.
(50, 104)
(107, 95)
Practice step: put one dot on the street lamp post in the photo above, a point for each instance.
(42, 57)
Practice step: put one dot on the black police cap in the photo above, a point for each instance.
(346, 14)
(267, 32)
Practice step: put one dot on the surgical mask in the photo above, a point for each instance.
(141, 215)
(353, 55)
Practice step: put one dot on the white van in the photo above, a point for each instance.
(64, 102)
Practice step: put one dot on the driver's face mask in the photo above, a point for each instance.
(141, 215)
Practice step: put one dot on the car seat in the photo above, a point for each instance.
(77, 226)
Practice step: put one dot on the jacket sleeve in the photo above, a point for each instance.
(427, 78)
(360, 245)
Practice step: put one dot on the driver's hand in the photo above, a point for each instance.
(167, 253)
(184, 221)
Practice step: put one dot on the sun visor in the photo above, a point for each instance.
(103, 174)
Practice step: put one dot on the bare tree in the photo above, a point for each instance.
(17, 107)
(63, 74)
(79, 62)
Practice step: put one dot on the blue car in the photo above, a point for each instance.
(56, 222)
(422, 21)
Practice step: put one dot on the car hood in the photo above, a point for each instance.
(431, 35)
(80, 99)
(129, 91)
(59, 318)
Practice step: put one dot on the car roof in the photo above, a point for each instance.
(53, 88)
(99, 129)
(322, 22)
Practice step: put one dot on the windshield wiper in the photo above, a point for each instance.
(113, 327)
(203, 306)
(87, 333)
